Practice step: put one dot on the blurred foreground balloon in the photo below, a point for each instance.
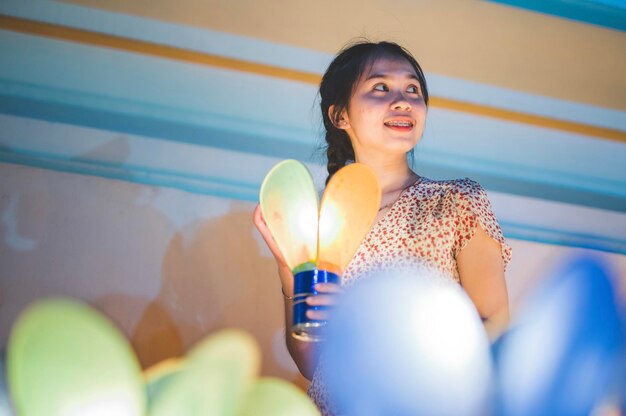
(274, 397)
(219, 377)
(64, 358)
(407, 345)
(561, 355)
(214, 378)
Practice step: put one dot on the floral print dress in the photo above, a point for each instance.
(430, 223)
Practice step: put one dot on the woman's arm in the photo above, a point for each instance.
(481, 270)
(303, 353)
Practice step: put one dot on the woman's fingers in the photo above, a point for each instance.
(259, 222)
(319, 315)
(321, 300)
(326, 298)
(334, 288)
(326, 294)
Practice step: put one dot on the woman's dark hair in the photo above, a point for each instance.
(338, 84)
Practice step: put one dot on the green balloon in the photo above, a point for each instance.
(275, 397)
(215, 379)
(160, 375)
(289, 205)
(64, 358)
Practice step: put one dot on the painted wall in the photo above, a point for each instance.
(480, 41)
(168, 266)
(134, 137)
(94, 68)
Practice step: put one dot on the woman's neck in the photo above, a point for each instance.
(393, 174)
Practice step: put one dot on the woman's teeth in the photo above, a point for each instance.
(399, 123)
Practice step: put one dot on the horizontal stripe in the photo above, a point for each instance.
(579, 186)
(560, 237)
(203, 185)
(237, 175)
(534, 120)
(598, 12)
(168, 52)
(249, 192)
(147, 48)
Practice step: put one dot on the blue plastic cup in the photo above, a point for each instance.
(303, 328)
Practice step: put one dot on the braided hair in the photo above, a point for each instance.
(337, 86)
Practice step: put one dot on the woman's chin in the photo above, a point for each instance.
(401, 145)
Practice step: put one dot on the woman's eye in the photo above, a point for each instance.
(381, 87)
(413, 89)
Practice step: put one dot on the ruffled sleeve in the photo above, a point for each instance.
(472, 209)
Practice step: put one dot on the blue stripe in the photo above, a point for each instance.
(490, 174)
(597, 12)
(521, 186)
(204, 185)
(562, 237)
(152, 127)
(224, 188)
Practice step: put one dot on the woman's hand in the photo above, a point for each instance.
(303, 353)
(326, 296)
(261, 225)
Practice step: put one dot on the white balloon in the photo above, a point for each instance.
(407, 345)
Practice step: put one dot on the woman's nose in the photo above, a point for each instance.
(400, 103)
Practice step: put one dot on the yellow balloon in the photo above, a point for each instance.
(349, 207)
(64, 358)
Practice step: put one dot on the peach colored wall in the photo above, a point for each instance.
(474, 40)
(170, 266)
(167, 266)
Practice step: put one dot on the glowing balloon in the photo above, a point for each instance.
(317, 248)
(328, 240)
(218, 373)
(289, 205)
(559, 356)
(348, 209)
(403, 344)
(274, 397)
(64, 358)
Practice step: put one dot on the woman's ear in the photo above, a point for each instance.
(340, 120)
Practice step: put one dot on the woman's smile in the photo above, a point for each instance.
(400, 124)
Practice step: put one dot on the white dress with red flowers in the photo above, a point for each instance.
(429, 224)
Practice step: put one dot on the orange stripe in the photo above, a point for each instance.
(534, 120)
(147, 48)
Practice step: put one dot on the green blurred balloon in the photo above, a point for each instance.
(274, 397)
(160, 375)
(64, 358)
(215, 379)
(290, 209)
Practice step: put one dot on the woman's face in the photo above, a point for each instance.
(387, 112)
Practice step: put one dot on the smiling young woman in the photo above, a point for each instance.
(386, 115)
(374, 102)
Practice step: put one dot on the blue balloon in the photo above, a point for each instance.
(561, 356)
(407, 345)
